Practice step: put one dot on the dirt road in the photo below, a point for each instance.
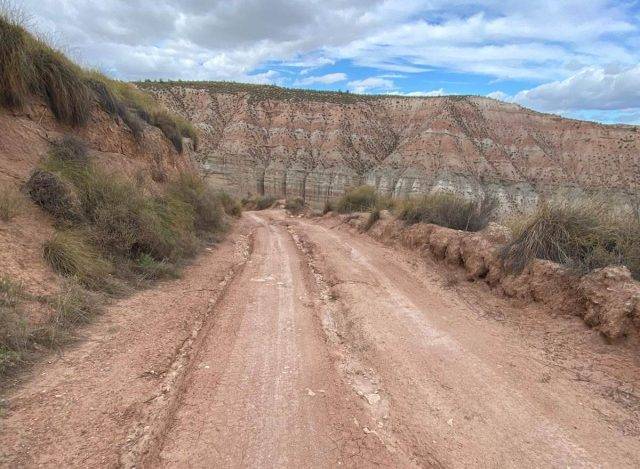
(297, 343)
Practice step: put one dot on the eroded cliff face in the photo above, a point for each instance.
(315, 145)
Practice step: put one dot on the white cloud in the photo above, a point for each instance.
(438, 92)
(327, 79)
(586, 54)
(371, 84)
(590, 88)
(511, 39)
(499, 95)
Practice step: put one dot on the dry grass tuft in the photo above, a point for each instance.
(231, 206)
(583, 234)
(20, 339)
(448, 210)
(11, 203)
(295, 205)
(258, 202)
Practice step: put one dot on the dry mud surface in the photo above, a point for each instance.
(298, 343)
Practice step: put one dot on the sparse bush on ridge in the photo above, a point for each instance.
(448, 210)
(11, 202)
(29, 66)
(581, 233)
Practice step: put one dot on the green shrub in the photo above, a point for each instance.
(358, 199)
(11, 203)
(264, 202)
(583, 234)
(448, 210)
(70, 255)
(295, 205)
(70, 150)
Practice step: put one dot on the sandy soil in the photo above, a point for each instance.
(297, 343)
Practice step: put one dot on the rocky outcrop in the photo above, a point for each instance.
(298, 143)
(608, 299)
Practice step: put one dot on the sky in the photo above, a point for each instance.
(576, 58)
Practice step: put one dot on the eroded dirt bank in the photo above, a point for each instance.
(325, 349)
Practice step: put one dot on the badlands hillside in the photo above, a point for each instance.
(314, 144)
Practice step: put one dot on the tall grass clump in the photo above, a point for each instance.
(357, 199)
(30, 67)
(448, 210)
(71, 255)
(581, 233)
(16, 68)
(62, 83)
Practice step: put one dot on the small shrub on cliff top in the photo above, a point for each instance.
(448, 210)
(583, 234)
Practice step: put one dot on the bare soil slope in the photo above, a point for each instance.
(321, 347)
